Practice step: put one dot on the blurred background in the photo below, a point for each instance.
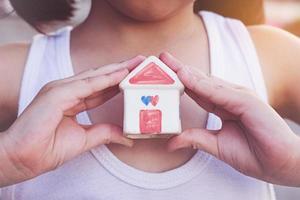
(281, 13)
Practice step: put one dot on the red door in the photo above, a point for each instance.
(150, 121)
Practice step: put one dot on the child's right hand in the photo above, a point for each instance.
(47, 133)
(253, 139)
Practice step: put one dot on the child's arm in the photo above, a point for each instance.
(47, 134)
(254, 139)
(279, 54)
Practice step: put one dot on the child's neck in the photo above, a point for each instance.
(127, 37)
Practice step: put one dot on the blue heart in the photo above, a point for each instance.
(146, 100)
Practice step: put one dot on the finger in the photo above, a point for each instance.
(215, 95)
(103, 92)
(90, 103)
(105, 134)
(130, 64)
(201, 139)
(107, 69)
(72, 93)
(177, 66)
(171, 61)
(210, 107)
(97, 101)
(220, 94)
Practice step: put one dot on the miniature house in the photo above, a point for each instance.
(151, 100)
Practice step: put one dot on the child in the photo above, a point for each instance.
(47, 135)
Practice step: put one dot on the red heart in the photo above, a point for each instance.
(154, 100)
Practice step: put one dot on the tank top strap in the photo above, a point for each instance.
(249, 53)
(234, 56)
(31, 70)
(46, 62)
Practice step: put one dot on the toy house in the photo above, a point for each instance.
(151, 100)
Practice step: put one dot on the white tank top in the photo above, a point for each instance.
(98, 174)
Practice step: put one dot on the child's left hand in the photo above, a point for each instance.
(253, 139)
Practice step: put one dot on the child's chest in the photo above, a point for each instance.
(85, 178)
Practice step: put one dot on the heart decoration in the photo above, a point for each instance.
(153, 99)
(146, 100)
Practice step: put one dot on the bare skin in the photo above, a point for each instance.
(254, 139)
(34, 145)
(127, 37)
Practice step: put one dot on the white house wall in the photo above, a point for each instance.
(168, 104)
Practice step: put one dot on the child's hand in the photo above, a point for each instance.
(254, 139)
(47, 133)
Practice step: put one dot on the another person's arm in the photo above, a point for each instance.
(254, 139)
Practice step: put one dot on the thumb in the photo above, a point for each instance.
(105, 134)
(201, 139)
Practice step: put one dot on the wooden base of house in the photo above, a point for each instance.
(149, 136)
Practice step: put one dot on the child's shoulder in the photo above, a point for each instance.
(12, 62)
(279, 55)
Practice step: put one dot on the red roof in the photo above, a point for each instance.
(151, 74)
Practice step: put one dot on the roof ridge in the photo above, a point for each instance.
(167, 79)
